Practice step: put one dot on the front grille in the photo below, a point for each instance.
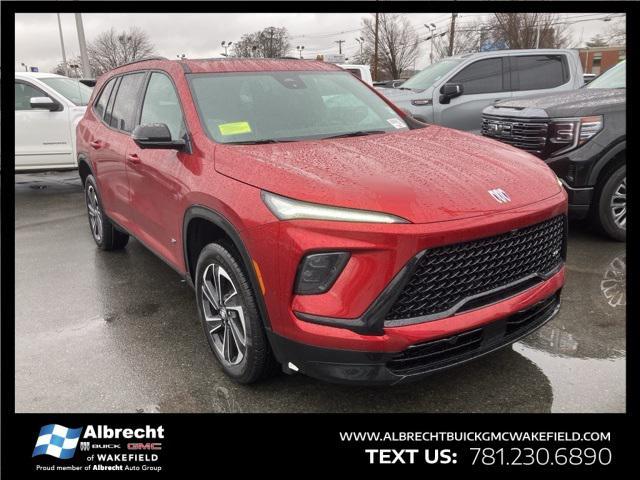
(437, 354)
(476, 273)
(530, 135)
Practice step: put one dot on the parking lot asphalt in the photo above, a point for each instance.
(118, 332)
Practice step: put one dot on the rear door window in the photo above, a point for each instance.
(538, 72)
(126, 102)
(483, 76)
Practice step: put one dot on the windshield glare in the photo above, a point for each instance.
(430, 75)
(258, 106)
(71, 89)
(615, 77)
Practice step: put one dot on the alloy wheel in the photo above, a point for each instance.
(95, 215)
(619, 205)
(224, 315)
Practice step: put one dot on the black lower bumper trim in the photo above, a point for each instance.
(417, 361)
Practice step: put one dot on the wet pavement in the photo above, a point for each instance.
(118, 332)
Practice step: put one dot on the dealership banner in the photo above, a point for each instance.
(168, 444)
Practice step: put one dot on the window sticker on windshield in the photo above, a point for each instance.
(397, 123)
(235, 128)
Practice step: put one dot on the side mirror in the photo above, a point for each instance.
(156, 135)
(449, 91)
(44, 103)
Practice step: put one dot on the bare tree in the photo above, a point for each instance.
(520, 30)
(616, 33)
(270, 42)
(111, 49)
(597, 41)
(467, 39)
(398, 44)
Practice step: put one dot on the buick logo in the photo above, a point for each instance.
(499, 195)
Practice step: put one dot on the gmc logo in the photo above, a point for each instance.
(144, 446)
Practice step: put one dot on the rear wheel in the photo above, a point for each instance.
(230, 318)
(104, 233)
(612, 205)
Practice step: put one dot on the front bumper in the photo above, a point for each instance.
(579, 200)
(416, 361)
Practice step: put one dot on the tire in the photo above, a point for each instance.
(104, 233)
(235, 331)
(610, 212)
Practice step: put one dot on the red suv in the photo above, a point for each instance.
(322, 228)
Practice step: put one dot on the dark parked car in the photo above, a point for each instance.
(582, 137)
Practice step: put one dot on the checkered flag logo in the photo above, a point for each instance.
(57, 441)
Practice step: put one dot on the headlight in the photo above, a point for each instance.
(568, 133)
(289, 209)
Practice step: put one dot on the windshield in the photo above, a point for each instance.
(615, 77)
(430, 75)
(71, 89)
(261, 106)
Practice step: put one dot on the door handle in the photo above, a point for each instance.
(96, 144)
(133, 159)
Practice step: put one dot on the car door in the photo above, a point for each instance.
(155, 175)
(110, 143)
(535, 74)
(484, 82)
(42, 137)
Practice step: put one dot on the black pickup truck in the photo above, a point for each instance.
(581, 135)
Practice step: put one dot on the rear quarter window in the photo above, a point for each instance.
(101, 104)
(538, 72)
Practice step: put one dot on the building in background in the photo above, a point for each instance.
(598, 60)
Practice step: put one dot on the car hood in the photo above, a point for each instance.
(581, 102)
(398, 95)
(424, 175)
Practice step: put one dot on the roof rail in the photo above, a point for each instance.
(142, 60)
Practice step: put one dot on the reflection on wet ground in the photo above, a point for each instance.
(118, 332)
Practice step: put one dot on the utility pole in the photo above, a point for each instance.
(84, 58)
(360, 40)
(64, 55)
(452, 33)
(432, 31)
(375, 52)
(271, 34)
(538, 36)
(339, 42)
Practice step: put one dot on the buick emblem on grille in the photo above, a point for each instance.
(499, 195)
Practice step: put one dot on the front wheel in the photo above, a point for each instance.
(612, 205)
(104, 233)
(230, 318)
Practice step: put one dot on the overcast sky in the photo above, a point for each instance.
(200, 35)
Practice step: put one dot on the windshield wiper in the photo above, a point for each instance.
(359, 133)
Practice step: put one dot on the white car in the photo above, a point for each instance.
(48, 107)
(363, 72)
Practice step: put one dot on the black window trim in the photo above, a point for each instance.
(175, 89)
(504, 80)
(564, 62)
(36, 87)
